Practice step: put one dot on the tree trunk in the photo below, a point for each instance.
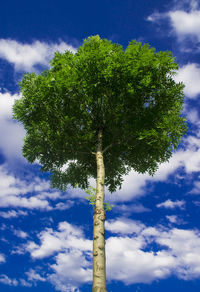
(99, 260)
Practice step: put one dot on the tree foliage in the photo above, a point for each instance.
(130, 94)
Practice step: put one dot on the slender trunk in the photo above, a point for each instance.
(99, 260)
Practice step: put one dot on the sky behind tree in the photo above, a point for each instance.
(153, 231)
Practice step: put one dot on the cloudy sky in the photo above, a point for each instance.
(153, 231)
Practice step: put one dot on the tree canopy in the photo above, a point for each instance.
(129, 94)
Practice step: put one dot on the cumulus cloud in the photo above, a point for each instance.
(176, 253)
(123, 225)
(12, 214)
(172, 204)
(145, 253)
(134, 184)
(184, 22)
(30, 193)
(196, 188)
(33, 276)
(20, 234)
(12, 133)
(13, 191)
(8, 281)
(25, 56)
(72, 252)
(174, 219)
(52, 241)
(190, 76)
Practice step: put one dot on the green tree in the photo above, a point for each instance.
(102, 108)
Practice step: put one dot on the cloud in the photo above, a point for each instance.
(20, 234)
(78, 271)
(127, 209)
(134, 184)
(174, 219)
(190, 76)
(33, 276)
(25, 56)
(192, 115)
(4, 279)
(72, 252)
(145, 253)
(30, 193)
(12, 214)
(124, 226)
(172, 204)
(156, 252)
(11, 132)
(2, 258)
(52, 241)
(186, 23)
(196, 188)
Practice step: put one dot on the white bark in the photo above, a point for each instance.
(99, 260)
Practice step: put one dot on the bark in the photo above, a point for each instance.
(99, 260)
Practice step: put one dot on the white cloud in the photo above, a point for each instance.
(196, 188)
(186, 23)
(70, 271)
(172, 204)
(20, 233)
(136, 265)
(33, 276)
(174, 219)
(178, 254)
(133, 186)
(124, 226)
(6, 103)
(12, 133)
(127, 209)
(145, 255)
(72, 266)
(190, 76)
(68, 236)
(15, 192)
(2, 258)
(12, 214)
(64, 206)
(26, 56)
(192, 115)
(7, 281)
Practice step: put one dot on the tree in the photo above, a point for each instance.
(101, 110)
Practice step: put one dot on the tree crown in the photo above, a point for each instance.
(130, 95)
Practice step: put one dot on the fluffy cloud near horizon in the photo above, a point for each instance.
(157, 253)
(72, 254)
(26, 56)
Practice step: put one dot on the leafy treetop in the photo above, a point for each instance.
(128, 94)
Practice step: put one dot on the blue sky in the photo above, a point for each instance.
(153, 231)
